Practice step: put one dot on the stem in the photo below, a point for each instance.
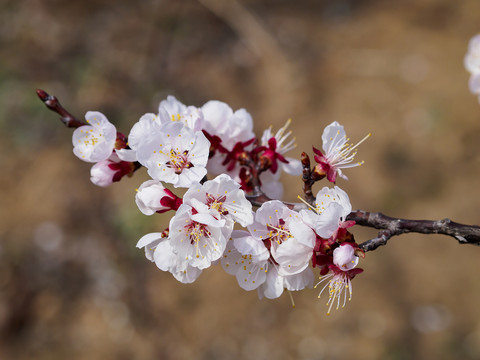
(390, 226)
(307, 178)
(53, 104)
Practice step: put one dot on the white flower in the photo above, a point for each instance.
(472, 58)
(247, 259)
(231, 127)
(250, 261)
(143, 131)
(173, 110)
(152, 197)
(338, 280)
(197, 237)
(274, 284)
(158, 249)
(150, 242)
(223, 197)
(338, 153)
(96, 141)
(291, 241)
(331, 209)
(176, 154)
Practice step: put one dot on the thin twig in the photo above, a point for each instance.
(307, 178)
(53, 104)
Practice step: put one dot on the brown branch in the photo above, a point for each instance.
(307, 178)
(389, 226)
(53, 104)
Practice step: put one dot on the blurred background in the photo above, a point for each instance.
(72, 283)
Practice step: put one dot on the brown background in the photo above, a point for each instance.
(72, 283)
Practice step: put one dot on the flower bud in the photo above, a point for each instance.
(344, 257)
(153, 197)
(105, 173)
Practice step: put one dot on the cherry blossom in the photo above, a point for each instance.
(223, 198)
(329, 214)
(275, 283)
(96, 141)
(197, 237)
(247, 259)
(338, 280)
(254, 267)
(230, 133)
(338, 153)
(231, 127)
(289, 240)
(175, 154)
(159, 250)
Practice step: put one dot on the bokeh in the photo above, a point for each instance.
(72, 283)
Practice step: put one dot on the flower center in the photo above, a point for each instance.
(179, 161)
(278, 233)
(217, 203)
(196, 231)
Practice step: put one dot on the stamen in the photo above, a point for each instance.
(306, 203)
(291, 298)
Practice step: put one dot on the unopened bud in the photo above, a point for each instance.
(153, 197)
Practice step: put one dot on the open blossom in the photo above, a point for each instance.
(230, 133)
(173, 110)
(231, 127)
(143, 131)
(197, 237)
(329, 214)
(252, 264)
(222, 198)
(152, 197)
(247, 259)
(96, 141)
(289, 240)
(175, 154)
(338, 280)
(337, 153)
(275, 283)
(158, 249)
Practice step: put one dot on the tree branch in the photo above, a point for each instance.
(53, 104)
(389, 226)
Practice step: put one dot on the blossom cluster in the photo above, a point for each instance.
(269, 250)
